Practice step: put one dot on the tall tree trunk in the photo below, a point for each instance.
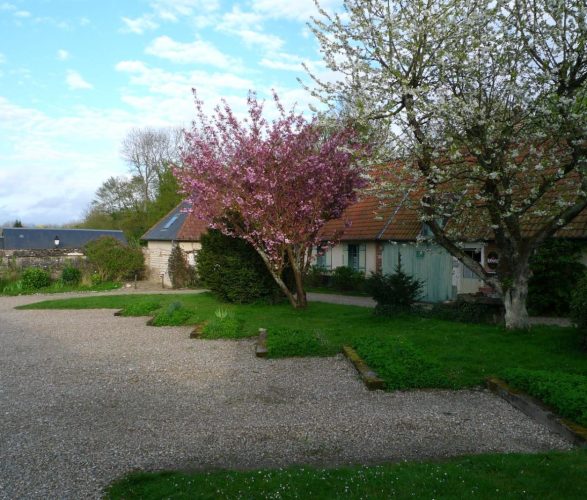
(301, 301)
(514, 299)
(293, 299)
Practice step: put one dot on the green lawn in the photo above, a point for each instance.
(458, 354)
(544, 476)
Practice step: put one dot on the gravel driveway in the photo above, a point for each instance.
(86, 397)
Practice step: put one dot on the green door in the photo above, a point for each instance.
(427, 262)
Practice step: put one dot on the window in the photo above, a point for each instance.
(170, 222)
(355, 257)
(323, 257)
(475, 254)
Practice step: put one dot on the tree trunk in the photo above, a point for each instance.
(301, 301)
(293, 299)
(514, 300)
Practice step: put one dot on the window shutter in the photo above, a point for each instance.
(345, 255)
(362, 257)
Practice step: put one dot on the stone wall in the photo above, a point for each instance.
(52, 260)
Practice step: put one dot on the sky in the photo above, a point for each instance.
(77, 75)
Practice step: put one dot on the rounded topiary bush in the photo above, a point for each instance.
(34, 278)
(112, 260)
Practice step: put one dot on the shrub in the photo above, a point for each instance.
(284, 342)
(233, 271)
(223, 326)
(400, 364)
(316, 277)
(579, 309)
(464, 312)
(111, 260)
(556, 270)
(395, 292)
(180, 272)
(174, 314)
(565, 392)
(34, 278)
(346, 279)
(71, 275)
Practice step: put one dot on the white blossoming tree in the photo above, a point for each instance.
(486, 107)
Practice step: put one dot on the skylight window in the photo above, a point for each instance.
(170, 222)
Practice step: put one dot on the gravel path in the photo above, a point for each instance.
(86, 397)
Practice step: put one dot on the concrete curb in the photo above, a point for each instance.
(261, 347)
(539, 412)
(369, 377)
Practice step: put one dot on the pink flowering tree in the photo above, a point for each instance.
(271, 183)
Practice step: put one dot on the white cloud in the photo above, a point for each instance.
(22, 13)
(172, 10)
(139, 25)
(62, 55)
(7, 6)
(299, 10)
(248, 26)
(197, 52)
(2, 58)
(84, 21)
(75, 81)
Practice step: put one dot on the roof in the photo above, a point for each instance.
(178, 225)
(24, 238)
(396, 220)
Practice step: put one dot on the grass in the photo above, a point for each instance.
(563, 391)
(16, 288)
(545, 476)
(463, 354)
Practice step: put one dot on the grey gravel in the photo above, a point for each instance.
(86, 397)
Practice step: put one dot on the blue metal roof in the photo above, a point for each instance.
(167, 229)
(19, 238)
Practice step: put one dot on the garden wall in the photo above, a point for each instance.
(52, 260)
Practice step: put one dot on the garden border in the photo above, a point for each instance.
(538, 411)
(368, 376)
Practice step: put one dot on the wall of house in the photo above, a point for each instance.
(335, 256)
(52, 260)
(157, 256)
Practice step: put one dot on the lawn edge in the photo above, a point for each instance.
(538, 411)
(368, 376)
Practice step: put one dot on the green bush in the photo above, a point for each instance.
(556, 270)
(401, 365)
(71, 275)
(464, 312)
(316, 277)
(395, 292)
(346, 279)
(579, 309)
(285, 343)
(565, 392)
(174, 314)
(233, 271)
(180, 272)
(112, 260)
(34, 278)
(223, 326)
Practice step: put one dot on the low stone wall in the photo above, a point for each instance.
(52, 260)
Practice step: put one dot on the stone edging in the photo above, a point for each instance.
(369, 377)
(261, 347)
(538, 411)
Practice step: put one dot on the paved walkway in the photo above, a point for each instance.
(86, 397)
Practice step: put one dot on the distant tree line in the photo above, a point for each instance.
(135, 202)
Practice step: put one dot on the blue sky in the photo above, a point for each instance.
(76, 75)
